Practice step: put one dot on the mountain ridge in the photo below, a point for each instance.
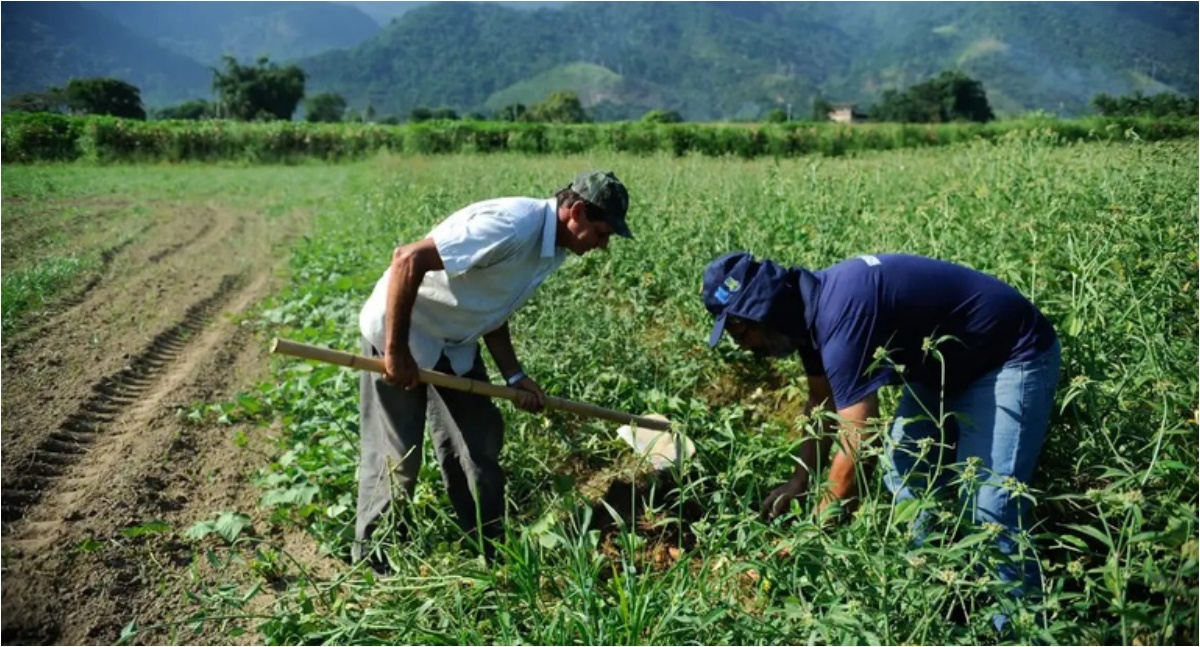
(207, 31)
(45, 44)
(708, 61)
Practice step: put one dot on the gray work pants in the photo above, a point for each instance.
(468, 433)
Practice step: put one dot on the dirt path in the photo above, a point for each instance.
(93, 446)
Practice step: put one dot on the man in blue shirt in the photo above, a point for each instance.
(977, 361)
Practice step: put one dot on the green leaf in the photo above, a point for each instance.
(200, 530)
(128, 633)
(973, 539)
(1092, 532)
(543, 525)
(89, 545)
(148, 528)
(907, 510)
(230, 524)
(299, 495)
(1074, 541)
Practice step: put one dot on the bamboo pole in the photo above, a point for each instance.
(458, 383)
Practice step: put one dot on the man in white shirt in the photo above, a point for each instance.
(440, 295)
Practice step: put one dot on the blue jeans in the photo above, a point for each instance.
(1000, 419)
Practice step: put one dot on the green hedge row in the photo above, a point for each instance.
(52, 137)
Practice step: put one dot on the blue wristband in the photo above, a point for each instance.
(515, 377)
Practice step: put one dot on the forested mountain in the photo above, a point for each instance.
(1031, 55)
(709, 61)
(698, 58)
(205, 31)
(47, 43)
(737, 60)
(385, 12)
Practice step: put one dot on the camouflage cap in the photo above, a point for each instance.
(603, 189)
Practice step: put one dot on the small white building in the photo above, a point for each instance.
(846, 113)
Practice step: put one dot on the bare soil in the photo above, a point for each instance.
(94, 445)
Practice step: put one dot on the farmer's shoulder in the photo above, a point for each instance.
(866, 270)
(519, 216)
(518, 212)
(851, 279)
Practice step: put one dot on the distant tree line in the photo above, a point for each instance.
(95, 96)
(558, 108)
(1165, 104)
(262, 91)
(265, 91)
(949, 96)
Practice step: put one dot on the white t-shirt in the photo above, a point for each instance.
(496, 253)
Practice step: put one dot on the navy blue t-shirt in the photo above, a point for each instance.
(896, 302)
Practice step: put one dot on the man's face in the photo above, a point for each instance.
(760, 339)
(585, 235)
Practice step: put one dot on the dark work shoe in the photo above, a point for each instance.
(380, 564)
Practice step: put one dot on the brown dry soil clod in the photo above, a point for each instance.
(92, 441)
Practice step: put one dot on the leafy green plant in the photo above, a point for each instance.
(227, 526)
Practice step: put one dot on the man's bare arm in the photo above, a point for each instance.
(843, 481)
(499, 343)
(812, 451)
(410, 263)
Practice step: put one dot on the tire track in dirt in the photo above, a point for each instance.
(95, 441)
(161, 254)
(51, 314)
(118, 475)
(130, 291)
(111, 396)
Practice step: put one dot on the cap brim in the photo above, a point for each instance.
(714, 338)
(620, 228)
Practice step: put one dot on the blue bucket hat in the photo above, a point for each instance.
(736, 284)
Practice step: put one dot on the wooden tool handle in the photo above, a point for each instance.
(458, 383)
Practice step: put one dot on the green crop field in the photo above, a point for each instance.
(1101, 236)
